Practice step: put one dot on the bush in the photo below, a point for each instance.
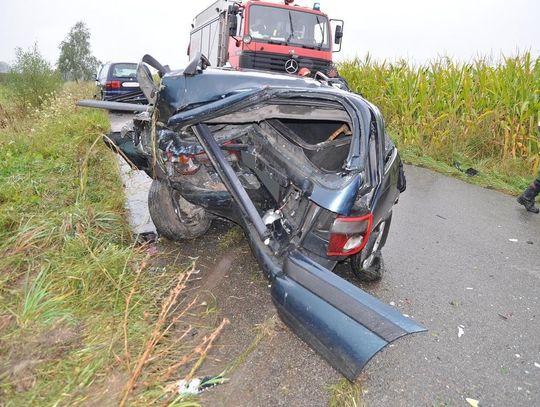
(32, 79)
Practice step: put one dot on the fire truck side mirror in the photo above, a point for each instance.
(232, 17)
(233, 25)
(233, 9)
(338, 34)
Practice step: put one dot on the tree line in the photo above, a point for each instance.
(32, 79)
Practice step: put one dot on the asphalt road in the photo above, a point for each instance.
(462, 260)
(460, 256)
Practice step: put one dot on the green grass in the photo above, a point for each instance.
(61, 251)
(233, 236)
(480, 114)
(345, 394)
(4, 93)
(68, 264)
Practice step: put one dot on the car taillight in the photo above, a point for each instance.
(113, 85)
(349, 235)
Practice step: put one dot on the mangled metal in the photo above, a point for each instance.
(308, 172)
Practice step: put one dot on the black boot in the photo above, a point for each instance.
(527, 198)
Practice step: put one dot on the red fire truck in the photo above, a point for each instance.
(269, 36)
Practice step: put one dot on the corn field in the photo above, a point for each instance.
(480, 112)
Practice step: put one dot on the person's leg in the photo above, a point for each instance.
(527, 198)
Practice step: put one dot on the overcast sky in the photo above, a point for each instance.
(419, 30)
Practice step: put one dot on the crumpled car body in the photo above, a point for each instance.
(304, 167)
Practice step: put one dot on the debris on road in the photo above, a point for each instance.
(471, 172)
(146, 237)
(513, 240)
(197, 385)
(472, 402)
(461, 331)
(186, 388)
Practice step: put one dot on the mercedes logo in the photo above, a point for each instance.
(291, 66)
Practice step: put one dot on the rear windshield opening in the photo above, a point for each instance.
(325, 143)
(124, 70)
(314, 132)
(321, 129)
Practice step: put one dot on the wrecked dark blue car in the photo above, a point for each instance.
(304, 166)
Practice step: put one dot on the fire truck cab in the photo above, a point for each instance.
(267, 36)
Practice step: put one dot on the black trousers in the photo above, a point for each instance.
(536, 183)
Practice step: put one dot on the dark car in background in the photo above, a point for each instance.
(117, 81)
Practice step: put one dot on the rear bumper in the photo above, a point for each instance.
(132, 95)
(343, 323)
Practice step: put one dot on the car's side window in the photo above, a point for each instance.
(100, 70)
(103, 72)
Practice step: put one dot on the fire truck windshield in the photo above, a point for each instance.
(282, 26)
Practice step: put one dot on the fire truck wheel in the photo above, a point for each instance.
(174, 217)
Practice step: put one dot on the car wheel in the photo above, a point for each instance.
(174, 217)
(368, 265)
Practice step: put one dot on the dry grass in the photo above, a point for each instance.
(345, 394)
